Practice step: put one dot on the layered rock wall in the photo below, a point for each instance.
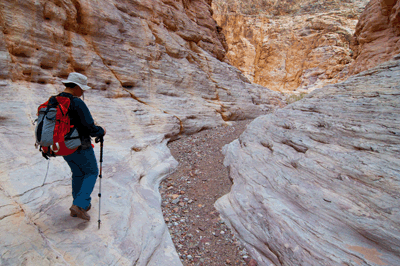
(148, 51)
(304, 48)
(317, 182)
(304, 45)
(288, 54)
(377, 35)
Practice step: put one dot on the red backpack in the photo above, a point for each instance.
(54, 133)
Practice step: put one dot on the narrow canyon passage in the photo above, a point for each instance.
(189, 194)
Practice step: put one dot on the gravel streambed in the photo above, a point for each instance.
(189, 194)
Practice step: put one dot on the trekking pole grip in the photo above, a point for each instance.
(99, 139)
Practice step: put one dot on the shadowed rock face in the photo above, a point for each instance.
(317, 182)
(377, 35)
(156, 71)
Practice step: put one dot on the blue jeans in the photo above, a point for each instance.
(84, 169)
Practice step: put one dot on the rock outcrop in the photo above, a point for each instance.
(377, 35)
(293, 46)
(156, 71)
(317, 182)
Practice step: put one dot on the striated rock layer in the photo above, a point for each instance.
(317, 182)
(156, 71)
(304, 48)
(377, 35)
(149, 51)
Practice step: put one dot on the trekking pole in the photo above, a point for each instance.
(101, 139)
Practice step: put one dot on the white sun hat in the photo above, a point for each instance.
(78, 79)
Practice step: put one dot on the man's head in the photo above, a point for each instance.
(76, 83)
(73, 89)
(77, 79)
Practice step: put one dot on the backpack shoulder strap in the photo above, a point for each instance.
(67, 95)
(71, 98)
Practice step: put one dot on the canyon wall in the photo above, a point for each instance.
(292, 46)
(157, 72)
(317, 182)
(377, 35)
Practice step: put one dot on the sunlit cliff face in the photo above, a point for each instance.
(299, 46)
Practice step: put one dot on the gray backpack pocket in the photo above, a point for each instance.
(47, 130)
(72, 139)
(39, 126)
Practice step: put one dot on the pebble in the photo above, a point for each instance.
(175, 201)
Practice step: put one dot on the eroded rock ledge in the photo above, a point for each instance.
(317, 182)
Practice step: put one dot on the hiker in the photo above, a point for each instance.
(82, 162)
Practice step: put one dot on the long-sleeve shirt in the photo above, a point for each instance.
(82, 119)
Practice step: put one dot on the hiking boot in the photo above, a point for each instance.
(79, 212)
(73, 214)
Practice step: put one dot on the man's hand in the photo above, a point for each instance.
(100, 139)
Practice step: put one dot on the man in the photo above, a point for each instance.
(82, 162)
